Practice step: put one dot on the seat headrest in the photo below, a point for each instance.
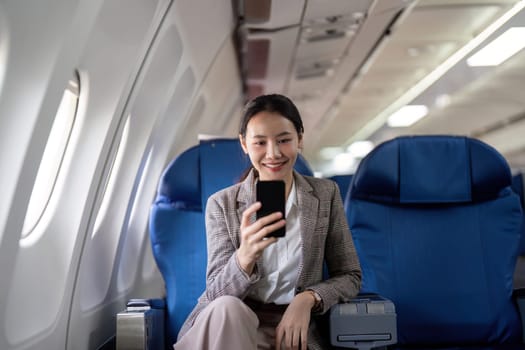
(222, 162)
(180, 183)
(431, 169)
(200, 171)
(302, 166)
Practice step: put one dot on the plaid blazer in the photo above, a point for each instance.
(325, 238)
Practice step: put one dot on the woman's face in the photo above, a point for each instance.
(272, 144)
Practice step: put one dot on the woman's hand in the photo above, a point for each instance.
(253, 236)
(292, 331)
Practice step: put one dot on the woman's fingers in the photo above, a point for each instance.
(262, 226)
(247, 214)
(267, 229)
(254, 235)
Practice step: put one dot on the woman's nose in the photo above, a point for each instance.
(273, 151)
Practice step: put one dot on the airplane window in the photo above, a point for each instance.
(53, 155)
(110, 179)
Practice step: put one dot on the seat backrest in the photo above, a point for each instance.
(343, 182)
(517, 186)
(436, 227)
(177, 227)
(180, 254)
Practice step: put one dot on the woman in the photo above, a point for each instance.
(262, 291)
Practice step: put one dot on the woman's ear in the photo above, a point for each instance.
(242, 140)
(300, 144)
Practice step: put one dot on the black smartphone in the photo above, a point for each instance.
(271, 194)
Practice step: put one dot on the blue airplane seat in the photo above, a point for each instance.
(302, 166)
(222, 162)
(436, 227)
(517, 186)
(343, 181)
(177, 227)
(181, 258)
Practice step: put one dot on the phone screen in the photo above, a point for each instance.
(271, 194)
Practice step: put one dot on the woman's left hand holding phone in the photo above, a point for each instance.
(253, 236)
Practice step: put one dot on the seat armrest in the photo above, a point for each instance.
(365, 322)
(141, 325)
(519, 297)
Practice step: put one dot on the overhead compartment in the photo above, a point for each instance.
(271, 14)
(266, 60)
(313, 58)
(326, 35)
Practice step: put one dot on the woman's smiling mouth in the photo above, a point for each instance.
(274, 166)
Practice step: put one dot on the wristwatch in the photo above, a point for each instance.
(318, 301)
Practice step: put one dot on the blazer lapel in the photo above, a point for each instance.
(246, 195)
(309, 206)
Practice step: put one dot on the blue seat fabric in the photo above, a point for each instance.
(177, 225)
(517, 186)
(436, 227)
(343, 181)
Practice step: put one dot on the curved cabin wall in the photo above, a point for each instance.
(145, 68)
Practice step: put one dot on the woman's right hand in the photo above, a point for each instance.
(253, 236)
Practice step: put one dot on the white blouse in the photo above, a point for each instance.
(280, 261)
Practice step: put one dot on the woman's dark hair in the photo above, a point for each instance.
(273, 103)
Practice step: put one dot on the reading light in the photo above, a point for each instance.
(407, 115)
(359, 149)
(500, 49)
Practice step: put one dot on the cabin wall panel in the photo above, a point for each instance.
(203, 26)
(223, 90)
(38, 298)
(158, 108)
(41, 43)
(106, 41)
(101, 246)
(205, 49)
(125, 38)
(221, 94)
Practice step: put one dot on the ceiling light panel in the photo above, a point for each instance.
(500, 49)
(407, 115)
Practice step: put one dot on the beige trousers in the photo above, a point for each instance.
(227, 323)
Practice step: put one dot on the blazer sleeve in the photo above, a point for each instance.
(340, 256)
(224, 275)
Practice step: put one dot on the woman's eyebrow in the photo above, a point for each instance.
(284, 133)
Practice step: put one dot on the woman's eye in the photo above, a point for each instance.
(284, 140)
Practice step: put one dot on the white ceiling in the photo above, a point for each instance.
(349, 64)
